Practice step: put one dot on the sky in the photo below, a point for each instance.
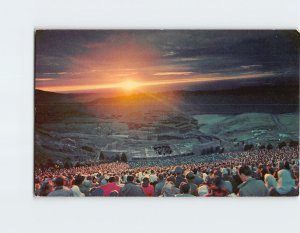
(104, 60)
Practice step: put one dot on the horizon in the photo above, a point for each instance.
(115, 93)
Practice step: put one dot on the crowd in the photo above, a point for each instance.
(162, 149)
(252, 173)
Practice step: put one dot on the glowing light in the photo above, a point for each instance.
(129, 85)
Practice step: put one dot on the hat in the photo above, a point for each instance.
(190, 176)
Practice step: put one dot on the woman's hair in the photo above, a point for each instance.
(245, 170)
(78, 180)
(146, 182)
(219, 182)
(184, 188)
(114, 193)
(130, 178)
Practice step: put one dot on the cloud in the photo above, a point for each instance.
(250, 66)
(172, 73)
(168, 54)
(53, 73)
(44, 79)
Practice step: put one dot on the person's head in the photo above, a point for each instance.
(295, 172)
(208, 180)
(195, 170)
(114, 193)
(178, 170)
(271, 170)
(168, 190)
(171, 179)
(45, 189)
(161, 176)
(202, 190)
(184, 188)
(111, 179)
(285, 179)
(270, 181)
(59, 181)
(217, 173)
(260, 166)
(78, 180)
(219, 182)
(225, 172)
(130, 178)
(94, 180)
(103, 182)
(198, 180)
(244, 173)
(146, 182)
(36, 180)
(190, 176)
(286, 165)
(280, 165)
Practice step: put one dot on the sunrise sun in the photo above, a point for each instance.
(129, 85)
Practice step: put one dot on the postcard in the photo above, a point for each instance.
(166, 113)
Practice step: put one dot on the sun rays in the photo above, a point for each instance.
(129, 85)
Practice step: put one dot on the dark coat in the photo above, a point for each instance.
(131, 190)
(253, 188)
(159, 186)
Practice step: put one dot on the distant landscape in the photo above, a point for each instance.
(81, 126)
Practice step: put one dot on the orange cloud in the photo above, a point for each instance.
(135, 84)
(44, 79)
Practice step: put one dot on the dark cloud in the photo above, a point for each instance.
(276, 51)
